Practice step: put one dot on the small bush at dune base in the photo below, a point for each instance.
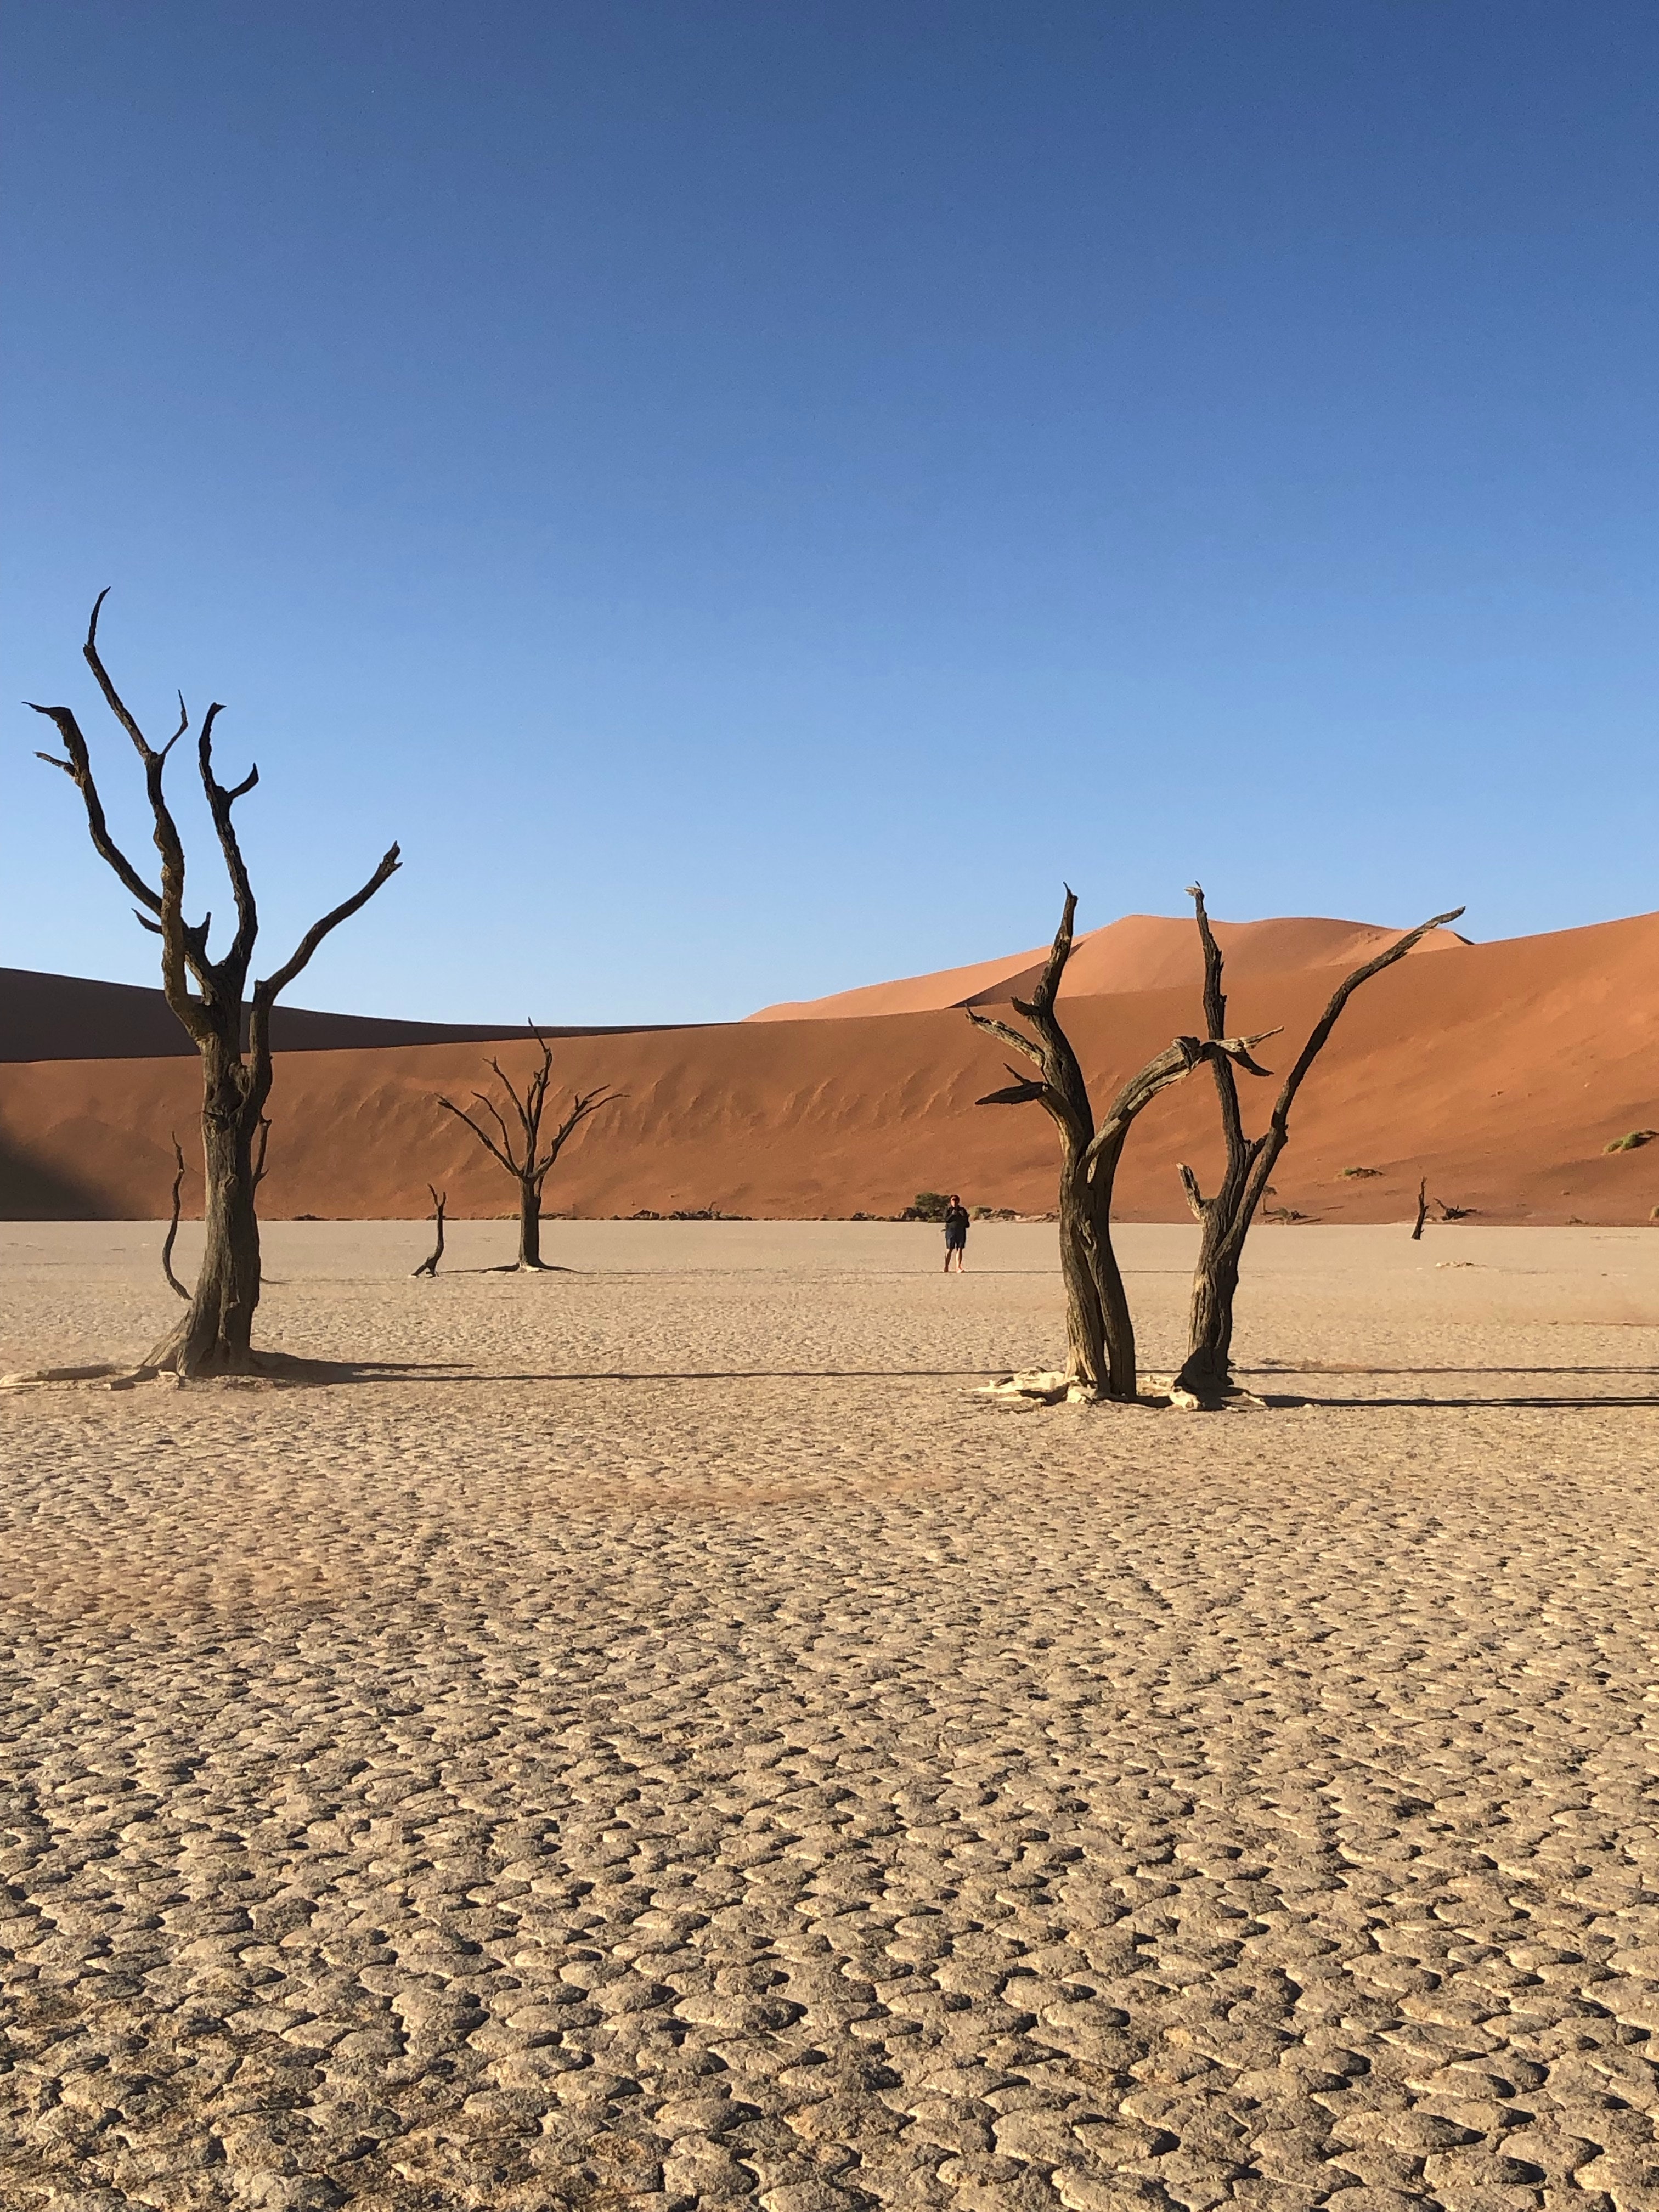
(929, 1206)
(1634, 1142)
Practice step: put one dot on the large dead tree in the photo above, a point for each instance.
(1099, 1328)
(214, 1336)
(524, 1156)
(1225, 1217)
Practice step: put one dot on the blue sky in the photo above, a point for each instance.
(754, 494)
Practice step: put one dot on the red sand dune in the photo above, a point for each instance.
(1141, 952)
(1501, 1073)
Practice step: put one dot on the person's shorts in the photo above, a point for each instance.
(956, 1240)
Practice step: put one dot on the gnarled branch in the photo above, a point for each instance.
(267, 991)
(173, 1283)
(429, 1265)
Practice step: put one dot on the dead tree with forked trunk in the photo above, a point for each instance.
(214, 1336)
(1099, 1328)
(525, 1158)
(1225, 1219)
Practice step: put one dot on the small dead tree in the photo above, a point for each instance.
(173, 1283)
(1099, 1328)
(525, 1157)
(1225, 1219)
(213, 1337)
(429, 1265)
(1422, 1211)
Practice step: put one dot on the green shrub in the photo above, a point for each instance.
(930, 1206)
(1634, 1142)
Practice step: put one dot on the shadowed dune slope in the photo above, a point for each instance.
(44, 1016)
(1500, 1072)
(1140, 952)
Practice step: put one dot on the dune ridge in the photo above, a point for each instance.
(1501, 1074)
(1138, 952)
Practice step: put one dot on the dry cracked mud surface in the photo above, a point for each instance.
(650, 1736)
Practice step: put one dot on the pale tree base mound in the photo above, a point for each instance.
(1176, 1393)
(1053, 1386)
(103, 1376)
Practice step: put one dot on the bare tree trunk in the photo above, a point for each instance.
(1087, 1361)
(1207, 1371)
(215, 1336)
(1225, 1219)
(1422, 1211)
(530, 1225)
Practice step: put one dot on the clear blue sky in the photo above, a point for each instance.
(753, 494)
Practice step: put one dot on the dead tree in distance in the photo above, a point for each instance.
(525, 1158)
(1225, 1219)
(214, 1336)
(173, 1283)
(1099, 1328)
(429, 1265)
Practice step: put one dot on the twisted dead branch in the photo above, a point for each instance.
(173, 1283)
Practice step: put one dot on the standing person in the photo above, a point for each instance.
(955, 1232)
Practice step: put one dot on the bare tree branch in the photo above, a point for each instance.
(1021, 1093)
(173, 1283)
(78, 769)
(1225, 1219)
(265, 994)
(234, 965)
(581, 1106)
(429, 1265)
(1339, 999)
(482, 1135)
(1009, 1036)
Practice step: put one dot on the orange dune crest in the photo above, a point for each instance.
(1140, 952)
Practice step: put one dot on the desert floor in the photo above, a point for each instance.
(651, 1735)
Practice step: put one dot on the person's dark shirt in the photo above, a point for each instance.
(956, 1221)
